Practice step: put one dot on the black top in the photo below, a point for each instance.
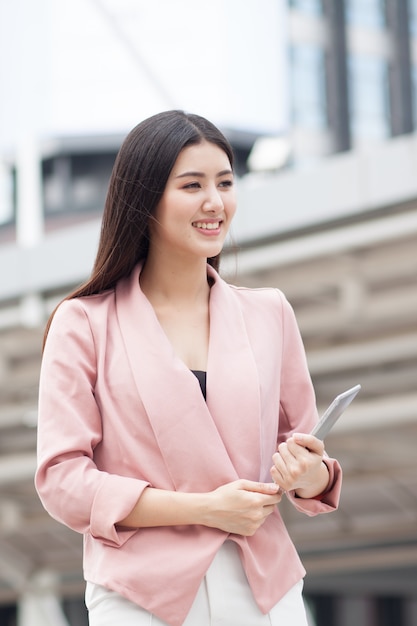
(202, 378)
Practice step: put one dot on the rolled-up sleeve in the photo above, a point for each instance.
(326, 502)
(71, 487)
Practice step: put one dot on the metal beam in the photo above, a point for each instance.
(15, 468)
(363, 559)
(365, 353)
(325, 243)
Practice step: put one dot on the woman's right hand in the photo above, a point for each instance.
(242, 506)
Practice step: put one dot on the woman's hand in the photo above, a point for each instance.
(238, 507)
(298, 465)
(242, 506)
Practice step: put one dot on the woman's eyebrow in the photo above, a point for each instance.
(201, 174)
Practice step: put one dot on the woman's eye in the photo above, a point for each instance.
(226, 183)
(195, 185)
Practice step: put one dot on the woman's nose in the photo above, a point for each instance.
(213, 201)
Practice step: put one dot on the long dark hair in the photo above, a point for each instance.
(137, 182)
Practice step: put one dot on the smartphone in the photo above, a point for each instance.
(335, 410)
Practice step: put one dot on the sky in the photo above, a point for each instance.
(100, 66)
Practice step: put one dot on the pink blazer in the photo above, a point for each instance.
(119, 411)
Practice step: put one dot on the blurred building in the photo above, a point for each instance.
(328, 213)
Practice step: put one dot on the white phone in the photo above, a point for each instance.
(335, 410)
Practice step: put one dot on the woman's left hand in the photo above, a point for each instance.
(298, 465)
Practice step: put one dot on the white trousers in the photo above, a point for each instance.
(224, 598)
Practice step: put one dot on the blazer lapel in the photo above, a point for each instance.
(233, 386)
(197, 439)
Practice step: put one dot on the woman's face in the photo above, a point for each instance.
(194, 214)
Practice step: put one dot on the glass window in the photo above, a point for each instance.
(412, 17)
(368, 97)
(76, 183)
(365, 13)
(308, 86)
(313, 7)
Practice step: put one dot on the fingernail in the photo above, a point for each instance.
(299, 436)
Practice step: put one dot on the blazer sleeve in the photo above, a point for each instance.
(298, 412)
(71, 487)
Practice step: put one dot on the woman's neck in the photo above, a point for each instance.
(184, 284)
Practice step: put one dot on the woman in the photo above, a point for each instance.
(166, 395)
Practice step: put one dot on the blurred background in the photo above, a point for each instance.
(319, 100)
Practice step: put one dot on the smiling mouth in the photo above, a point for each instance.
(207, 225)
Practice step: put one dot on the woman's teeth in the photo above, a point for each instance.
(207, 225)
